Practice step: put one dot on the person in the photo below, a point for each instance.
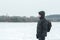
(42, 26)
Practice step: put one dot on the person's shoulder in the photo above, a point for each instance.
(48, 21)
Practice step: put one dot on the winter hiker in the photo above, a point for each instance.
(43, 26)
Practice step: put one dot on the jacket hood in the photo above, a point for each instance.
(42, 13)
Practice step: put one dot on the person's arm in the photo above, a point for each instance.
(38, 29)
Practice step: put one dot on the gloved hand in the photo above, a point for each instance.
(36, 36)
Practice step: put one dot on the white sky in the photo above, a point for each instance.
(29, 7)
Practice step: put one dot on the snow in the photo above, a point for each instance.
(26, 31)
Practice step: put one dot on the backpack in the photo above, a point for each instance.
(48, 26)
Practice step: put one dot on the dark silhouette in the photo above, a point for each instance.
(43, 26)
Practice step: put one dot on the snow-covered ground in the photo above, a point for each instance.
(26, 31)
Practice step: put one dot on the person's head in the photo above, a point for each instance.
(41, 14)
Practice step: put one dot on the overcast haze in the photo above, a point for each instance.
(29, 7)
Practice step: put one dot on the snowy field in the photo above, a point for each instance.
(26, 31)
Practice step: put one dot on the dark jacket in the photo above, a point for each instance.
(42, 26)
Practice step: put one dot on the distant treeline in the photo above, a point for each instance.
(54, 18)
(18, 19)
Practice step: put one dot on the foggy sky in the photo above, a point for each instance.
(29, 7)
